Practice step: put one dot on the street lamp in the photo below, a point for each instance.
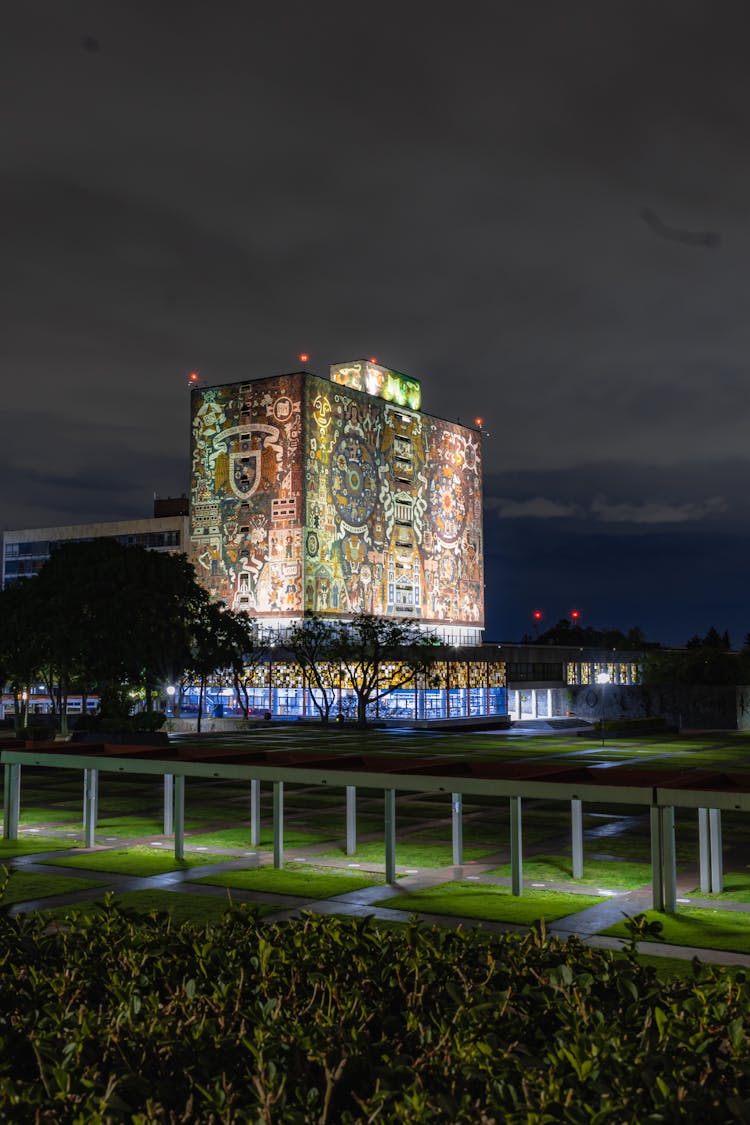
(171, 689)
(602, 678)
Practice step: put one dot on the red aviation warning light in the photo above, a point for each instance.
(575, 615)
(373, 359)
(193, 378)
(537, 615)
(304, 357)
(478, 423)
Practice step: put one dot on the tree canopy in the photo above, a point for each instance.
(108, 618)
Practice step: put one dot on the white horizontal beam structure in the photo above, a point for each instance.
(725, 799)
(340, 778)
(660, 800)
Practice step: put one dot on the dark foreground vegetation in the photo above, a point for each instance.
(119, 1018)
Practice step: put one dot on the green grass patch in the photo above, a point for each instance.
(609, 874)
(129, 826)
(698, 927)
(494, 904)
(736, 889)
(240, 838)
(30, 845)
(138, 861)
(23, 886)
(410, 854)
(181, 906)
(49, 815)
(304, 881)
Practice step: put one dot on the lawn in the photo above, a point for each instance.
(24, 887)
(304, 881)
(49, 815)
(31, 845)
(736, 889)
(698, 927)
(138, 861)
(181, 906)
(239, 838)
(610, 874)
(494, 904)
(410, 854)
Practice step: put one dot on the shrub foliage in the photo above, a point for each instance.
(115, 1017)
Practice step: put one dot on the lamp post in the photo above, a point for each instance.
(602, 678)
(171, 689)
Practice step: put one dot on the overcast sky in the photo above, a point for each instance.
(541, 210)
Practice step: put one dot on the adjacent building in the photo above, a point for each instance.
(25, 552)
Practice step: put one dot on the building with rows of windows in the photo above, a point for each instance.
(25, 552)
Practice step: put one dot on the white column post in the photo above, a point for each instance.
(351, 819)
(179, 816)
(457, 827)
(717, 865)
(516, 847)
(657, 862)
(168, 804)
(669, 859)
(278, 824)
(11, 800)
(704, 851)
(90, 785)
(390, 835)
(576, 833)
(254, 812)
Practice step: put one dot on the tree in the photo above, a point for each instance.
(20, 658)
(314, 645)
(113, 618)
(565, 633)
(243, 653)
(697, 664)
(221, 640)
(365, 643)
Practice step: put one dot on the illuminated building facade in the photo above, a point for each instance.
(337, 496)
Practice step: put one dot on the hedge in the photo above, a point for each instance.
(116, 1017)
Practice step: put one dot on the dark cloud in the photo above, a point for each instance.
(217, 187)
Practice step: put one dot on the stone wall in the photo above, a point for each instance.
(694, 707)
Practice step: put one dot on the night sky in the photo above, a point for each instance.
(541, 210)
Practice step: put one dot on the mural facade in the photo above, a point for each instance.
(246, 494)
(310, 496)
(393, 510)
